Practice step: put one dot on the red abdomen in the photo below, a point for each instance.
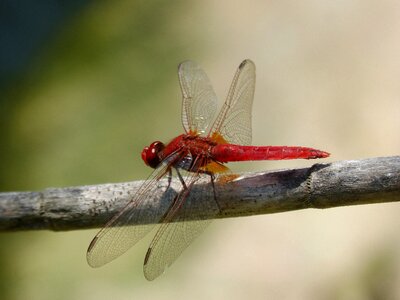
(229, 152)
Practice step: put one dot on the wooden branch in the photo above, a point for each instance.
(353, 182)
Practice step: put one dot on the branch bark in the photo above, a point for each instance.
(353, 182)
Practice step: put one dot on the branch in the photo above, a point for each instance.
(354, 182)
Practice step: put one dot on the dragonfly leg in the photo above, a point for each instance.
(169, 178)
(212, 176)
(181, 179)
(176, 198)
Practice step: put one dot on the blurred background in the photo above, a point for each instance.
(86, 84)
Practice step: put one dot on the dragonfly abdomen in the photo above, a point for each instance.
(229, 152)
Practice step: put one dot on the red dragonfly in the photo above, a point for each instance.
(202, 150)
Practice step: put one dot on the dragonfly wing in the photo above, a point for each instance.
(234, 119)
(120, 233)
(199, 101)
(182, 224)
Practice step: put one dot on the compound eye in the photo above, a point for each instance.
(151, 154)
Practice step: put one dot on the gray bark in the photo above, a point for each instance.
(354, 182)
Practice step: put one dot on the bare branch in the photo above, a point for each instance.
(353, 182)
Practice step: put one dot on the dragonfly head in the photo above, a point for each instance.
(151, 154)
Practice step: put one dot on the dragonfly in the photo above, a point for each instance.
(201, 151)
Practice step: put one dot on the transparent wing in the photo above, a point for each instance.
(183, 223)
(118, 235)
(234, 119)
(199, 101)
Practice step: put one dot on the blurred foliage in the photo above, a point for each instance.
(87, 95)
(84, 100)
